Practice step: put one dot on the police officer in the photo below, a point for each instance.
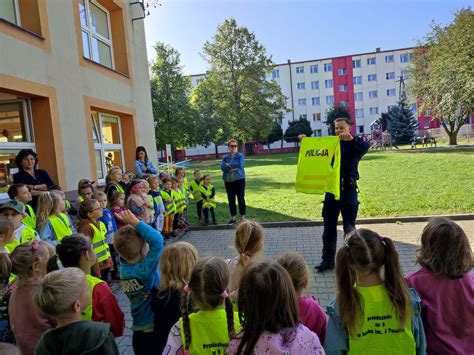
(352, 150)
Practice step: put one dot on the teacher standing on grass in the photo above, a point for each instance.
(234, 179)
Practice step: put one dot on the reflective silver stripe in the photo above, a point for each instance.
(102, 253)
(98, 244)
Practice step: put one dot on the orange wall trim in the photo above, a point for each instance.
(46, 123)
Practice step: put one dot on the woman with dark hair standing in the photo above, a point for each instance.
(37, 180)
(143, 166)
(233, 175)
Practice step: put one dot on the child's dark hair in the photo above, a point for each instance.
(178, 170)
(267, 302)
(445, 249)
(174, 179)
(165, 180)
(13, 190)
(86, 207)
(207, 288)
(55, 188)
(196, 171)
(71, 248)
(367, 251)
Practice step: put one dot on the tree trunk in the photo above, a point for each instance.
(217, 150)
(453, 138)
(269, 149)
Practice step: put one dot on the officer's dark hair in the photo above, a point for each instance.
(22, 154)
(343, 119)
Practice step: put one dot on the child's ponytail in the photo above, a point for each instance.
(185, 316)
(229, 311)
(348, 299)
(394, 282)
(47, 202)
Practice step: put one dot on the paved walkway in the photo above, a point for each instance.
(307, 241)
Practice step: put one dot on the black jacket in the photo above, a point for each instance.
(351, 154)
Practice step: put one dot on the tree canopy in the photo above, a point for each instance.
(297, 127)
(337, 111)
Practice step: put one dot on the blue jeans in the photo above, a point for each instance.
(347, 206)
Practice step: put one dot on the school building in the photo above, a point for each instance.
(367, 83)
(74, 86)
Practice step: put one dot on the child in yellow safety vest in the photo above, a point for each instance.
(90, 212)
(180, 173)
(195, 191)
(14, 211)
(51, 220)
(6, 281)
(215, 323)
(170, 208)
(208, 193)
(159, 206)
(77, 251)
(20, 192)
(179, 224)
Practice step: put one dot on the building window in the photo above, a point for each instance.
(317, 116)
(275, 74)
(357, 80)
(405, 74)
(16, 134)
(342, 88)
(342, 71)
(359, 113)
(374, 110)
(358, 96)
(302, 102)
(300, 86)
(9, 11)
(372, 77)
(328, 84)
(356, 63)
(303, 117)
(108, 148)
(360, 129)
(96, 34)
(373, 94)
(404, 58)
(315, 85)
(313, 69)
(389, 58)
(299, 70)
(390, 107)
(390, 76)
(390, 92)
(315, 101)
(327, 67)
(329, 100)
(370, 60)
(344, 103)
(318, 133)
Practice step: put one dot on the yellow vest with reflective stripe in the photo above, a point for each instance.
(170, 208)
(179, 200)
(151, 202)
(319, 166)
(209, 334)
(27, 235)
(81, 199)
(29, 219)
(61, 226)
(195, 189)
(92, 281)
(99, 242)
(119, 188)
(207, 191)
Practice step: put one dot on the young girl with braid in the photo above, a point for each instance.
(374, 312)
(207, 331)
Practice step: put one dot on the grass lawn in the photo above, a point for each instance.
(392, 183)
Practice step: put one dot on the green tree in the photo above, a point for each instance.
(210, 127)
(337, 111)
(239, 67)
(170, 91)
(403, 124)
(297, 127)
(443, 72)
(275, 135)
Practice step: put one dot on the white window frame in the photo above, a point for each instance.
(98, 36)
(402, 55)
(106, 146)
(358, 95)
(301, 86)
(356, 80)
(344, 103)
(315, 85)
(342, 88)
(328, 67)
(300, 70)
(373, 94)
(370, 60)
(304, 116)
(317, 117)
(342, 71)
(332, 100)
(356, 63)
(275, 73)
(313, 69)
(16, 8)
(328, 84)
(389, 58)
(301, 102)
(357, 110)
(374, 76)
(315, 101)
(389, 91)
(374, 110)
(388, 76)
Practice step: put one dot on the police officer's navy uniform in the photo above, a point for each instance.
(351, 153)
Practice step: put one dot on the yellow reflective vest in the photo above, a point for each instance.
(170, 207)
(92, 281)
(207, 191)
(27, 235)
(152, 203)
(319, 166)
(99, 242)
(179, 197)
(209, 334)
(61, 226)
(195, 189)
(29, 219)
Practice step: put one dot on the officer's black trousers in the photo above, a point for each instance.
(348, 205)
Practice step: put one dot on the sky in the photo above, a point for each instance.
(296, 30)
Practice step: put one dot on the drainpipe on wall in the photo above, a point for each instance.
(291, 91)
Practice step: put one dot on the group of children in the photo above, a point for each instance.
(55, 299)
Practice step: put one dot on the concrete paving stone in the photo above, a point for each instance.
(307, 241)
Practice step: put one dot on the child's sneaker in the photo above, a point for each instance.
(214, 222)
(206, 223)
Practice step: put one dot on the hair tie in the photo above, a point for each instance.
(382, 240)
(225, 294)
(186, 288)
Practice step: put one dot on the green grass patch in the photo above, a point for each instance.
(392, 183)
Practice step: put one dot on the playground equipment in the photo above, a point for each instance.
(380, 140)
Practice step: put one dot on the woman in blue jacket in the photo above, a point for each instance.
(143, 166)
(233, 175)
